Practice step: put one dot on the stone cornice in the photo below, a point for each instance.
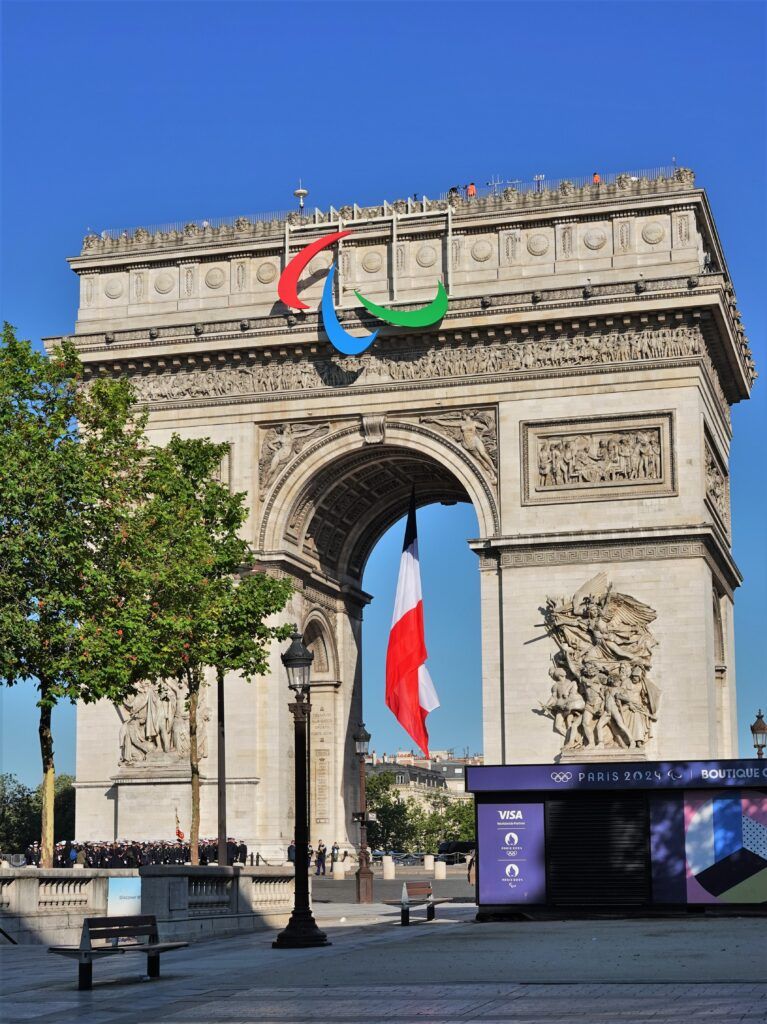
(644, 543)
(711, 292)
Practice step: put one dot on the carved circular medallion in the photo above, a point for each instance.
(114, 288)
(426, 256)
(653, 232)
(164, 283)
(215, 278)
(266, 273)
(481, 251)
(594, 239)
(537, 245)
(320, 262)
(372, 262)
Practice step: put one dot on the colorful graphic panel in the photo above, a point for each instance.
(511, 853)
(709, 847)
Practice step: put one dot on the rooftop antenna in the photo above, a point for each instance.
(300, 193)
(494, 183)
(539, 179)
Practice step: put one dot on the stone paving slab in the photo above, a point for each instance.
(689, 971)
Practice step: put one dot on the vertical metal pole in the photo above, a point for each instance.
(364, 874)
(222, 859)
(394, 256)
(301, 930)
(449, 265)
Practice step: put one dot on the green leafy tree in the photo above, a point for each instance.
(19, 815)
(21, 809)
(69, 463)
(190, 602)
(393, 829)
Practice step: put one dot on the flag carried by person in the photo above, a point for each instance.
(179, 833)
(410, 693)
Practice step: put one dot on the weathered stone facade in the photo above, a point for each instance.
(577, 393)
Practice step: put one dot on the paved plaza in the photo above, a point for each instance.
(589, 972)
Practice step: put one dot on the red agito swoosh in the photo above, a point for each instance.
(288, 283)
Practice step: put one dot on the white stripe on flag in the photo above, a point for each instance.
(427, 695)
(408, 583)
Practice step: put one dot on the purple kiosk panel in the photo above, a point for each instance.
(512, 867)
(635, 775)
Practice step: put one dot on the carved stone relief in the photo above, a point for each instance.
(602, 697)
(280, 445)
(717, 486)
(424, 363)
(598, 459)
(155, 724)
(475, 431)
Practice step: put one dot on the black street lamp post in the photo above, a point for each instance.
(364, 876)
(759, 733)
(301, 930)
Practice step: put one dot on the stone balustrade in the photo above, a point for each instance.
(49, 906)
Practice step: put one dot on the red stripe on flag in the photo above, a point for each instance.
(404, 656)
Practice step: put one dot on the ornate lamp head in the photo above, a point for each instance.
(298, 662)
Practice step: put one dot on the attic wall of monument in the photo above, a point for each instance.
(399, 263)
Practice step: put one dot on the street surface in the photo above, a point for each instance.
(680, 971)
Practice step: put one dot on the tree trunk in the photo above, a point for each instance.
(193, 680)
(221, 721)
(49, 778)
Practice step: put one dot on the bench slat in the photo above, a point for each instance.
(84, 954)
(154, 947)
(109, 922)
(112, 933)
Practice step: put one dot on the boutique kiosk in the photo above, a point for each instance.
(672, 834)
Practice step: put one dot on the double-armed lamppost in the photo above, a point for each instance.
(301, 930)
(759, 733)
(364, 874)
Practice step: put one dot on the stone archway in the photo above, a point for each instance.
(323, 514)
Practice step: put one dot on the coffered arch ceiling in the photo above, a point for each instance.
(360, 495)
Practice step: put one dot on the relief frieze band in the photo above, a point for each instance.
(597, 459)
(416, 364)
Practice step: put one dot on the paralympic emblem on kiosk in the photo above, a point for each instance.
(347, 344)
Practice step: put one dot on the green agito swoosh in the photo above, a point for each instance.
(423, 317)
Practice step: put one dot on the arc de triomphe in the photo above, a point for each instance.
(577, 393)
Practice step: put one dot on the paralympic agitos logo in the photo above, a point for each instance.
(346, 343)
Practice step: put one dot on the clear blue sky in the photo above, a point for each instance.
(125, 114)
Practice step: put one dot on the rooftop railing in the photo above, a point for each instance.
(541, 183)
(269, 222)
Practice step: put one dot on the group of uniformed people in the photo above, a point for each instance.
(126, 853)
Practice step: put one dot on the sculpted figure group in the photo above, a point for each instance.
(406, 365)
(588, 459)
(156, 723)
(601, 693)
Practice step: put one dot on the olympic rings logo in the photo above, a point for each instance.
(347, 344)
(561, 776)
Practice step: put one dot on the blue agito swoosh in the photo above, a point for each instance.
(346, 343)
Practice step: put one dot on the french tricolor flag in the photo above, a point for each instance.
(410, 693)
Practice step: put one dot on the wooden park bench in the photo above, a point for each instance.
(111, 930)
(416, 894)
